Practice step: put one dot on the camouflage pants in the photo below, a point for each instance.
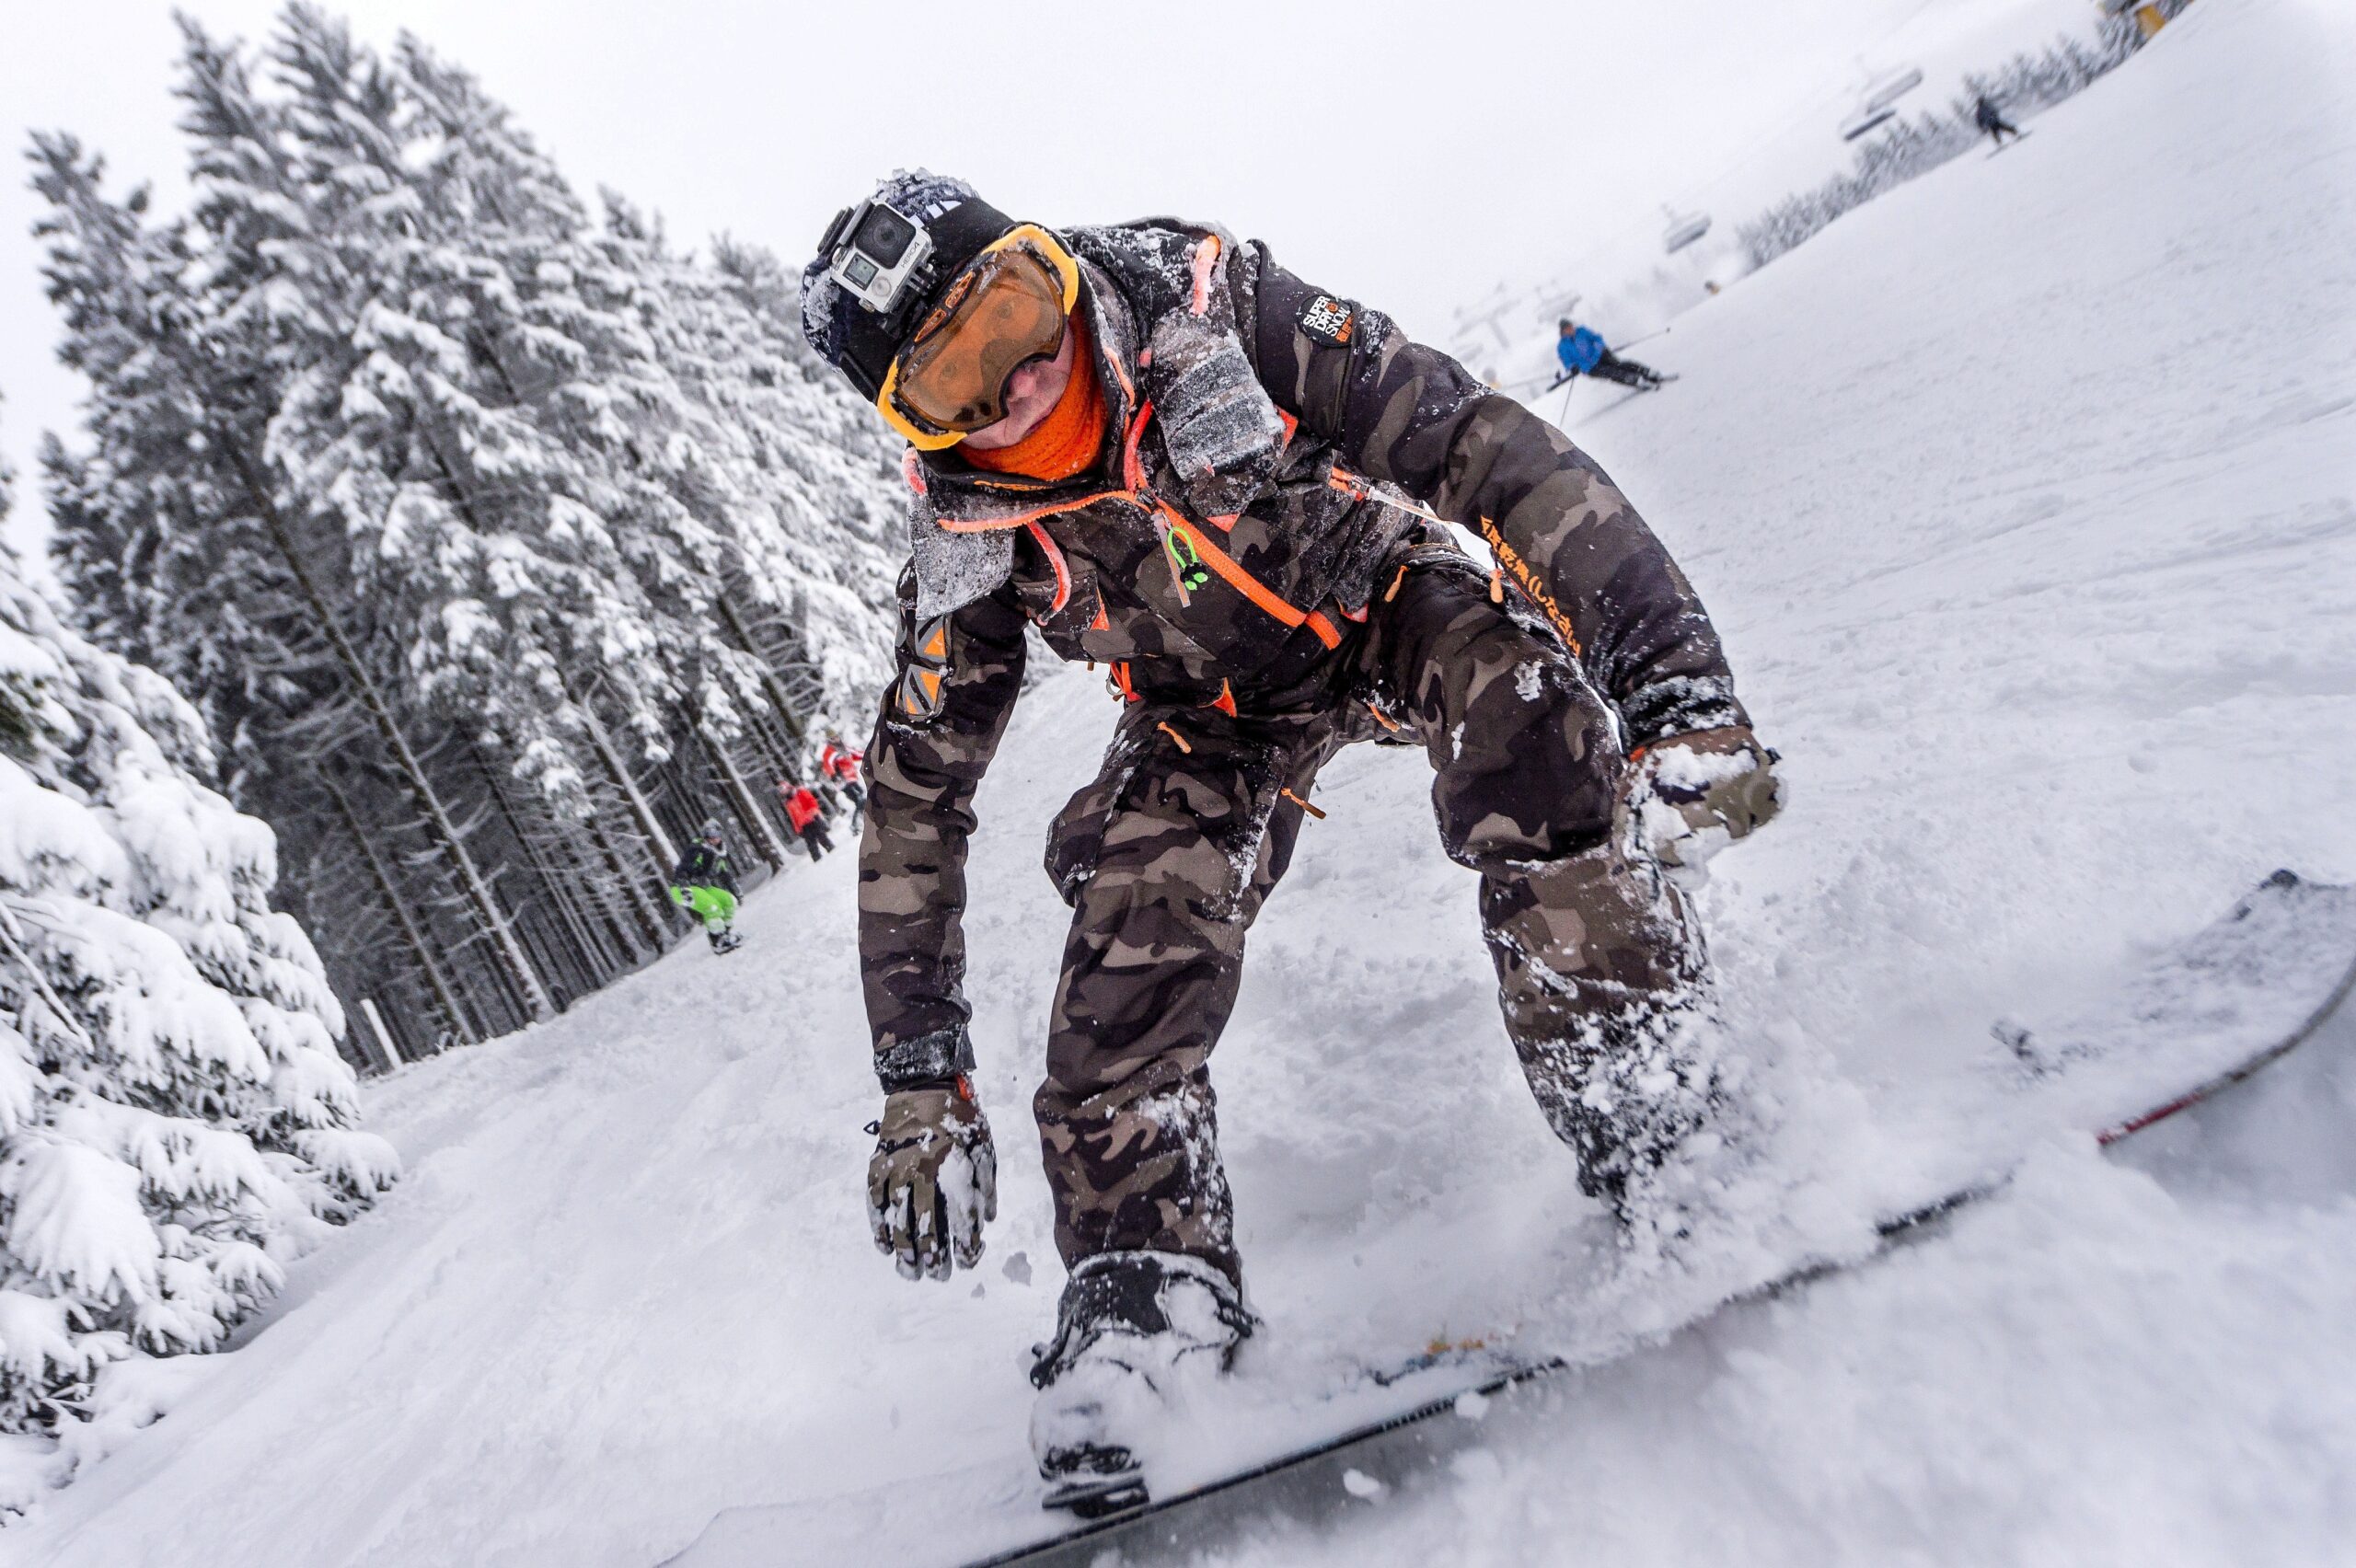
(1168, 855)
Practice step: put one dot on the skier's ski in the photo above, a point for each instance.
(2228, 953)
(1621, 401)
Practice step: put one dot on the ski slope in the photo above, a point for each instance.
(2026, 501)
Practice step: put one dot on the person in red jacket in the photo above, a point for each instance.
(840, 766)
(807, 816)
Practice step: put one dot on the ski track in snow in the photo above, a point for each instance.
(2023, 498)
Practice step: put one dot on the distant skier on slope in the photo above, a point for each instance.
(705, 885)
(1584, 352)
(1159, 448)
(806, 814)
(1990, 119)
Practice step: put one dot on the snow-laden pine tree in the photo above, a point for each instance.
(175, 1123)
(242, 598)
(500, 546)
(805, 515)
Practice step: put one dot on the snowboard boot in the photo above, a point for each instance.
(1638, 1094)
(726, 941)
(1132, 1329)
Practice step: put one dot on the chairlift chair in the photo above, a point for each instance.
(1878, 107)
(1896, 85)
(1864, 120)
(1683, 230)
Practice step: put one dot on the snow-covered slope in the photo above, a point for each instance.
(2024, 497)
(1619, 281)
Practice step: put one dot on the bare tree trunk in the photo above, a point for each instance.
(593, 951)
(666, 853)
(772, 849)
(632, 894)
(748, 806)
(459, 1023)
(786, 712)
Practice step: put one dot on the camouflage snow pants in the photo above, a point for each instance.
(1168, 855)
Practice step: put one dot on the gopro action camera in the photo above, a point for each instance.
(874, 252)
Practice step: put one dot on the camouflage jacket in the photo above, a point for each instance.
(1220, 552)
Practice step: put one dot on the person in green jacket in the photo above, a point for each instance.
(705, 885)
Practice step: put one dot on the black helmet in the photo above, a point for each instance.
(710, 829)
(947, 224)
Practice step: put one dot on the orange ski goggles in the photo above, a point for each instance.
(1009, 307)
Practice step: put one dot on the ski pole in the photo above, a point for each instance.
(1646, 339)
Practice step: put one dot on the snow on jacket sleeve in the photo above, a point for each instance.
(958, 677)
(1399, 411)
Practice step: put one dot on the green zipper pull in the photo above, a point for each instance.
(1187, 568)
(1181, 578)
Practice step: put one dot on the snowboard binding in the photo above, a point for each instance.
(1095, 1482)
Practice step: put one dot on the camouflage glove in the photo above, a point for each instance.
(932, 1181)
(1694, 794)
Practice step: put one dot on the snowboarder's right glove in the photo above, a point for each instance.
(933, 1180)
(1696, 793)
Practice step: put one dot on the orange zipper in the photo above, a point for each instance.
(1063, 573)
(1217, 559)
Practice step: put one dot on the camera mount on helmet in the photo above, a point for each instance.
(882, 262)
(875, 253)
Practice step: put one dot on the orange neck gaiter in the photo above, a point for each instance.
(1068, 441)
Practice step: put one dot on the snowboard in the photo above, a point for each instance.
(2201, 1017)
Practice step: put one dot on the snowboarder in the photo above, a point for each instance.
(841, 764)
(1989, 118)
(806, 814)
(1176, 459)
(705, 885)
(1584, 352)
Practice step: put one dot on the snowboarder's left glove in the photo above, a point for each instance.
(932, 1181)
(1694, 794)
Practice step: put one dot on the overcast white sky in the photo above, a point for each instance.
(1407, 155)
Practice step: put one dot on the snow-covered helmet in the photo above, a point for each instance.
(942, 223)
(710, 831)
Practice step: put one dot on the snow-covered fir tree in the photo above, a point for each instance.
(499, 544)
(175, 1121)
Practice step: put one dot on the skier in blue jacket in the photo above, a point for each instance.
(1584, 352)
